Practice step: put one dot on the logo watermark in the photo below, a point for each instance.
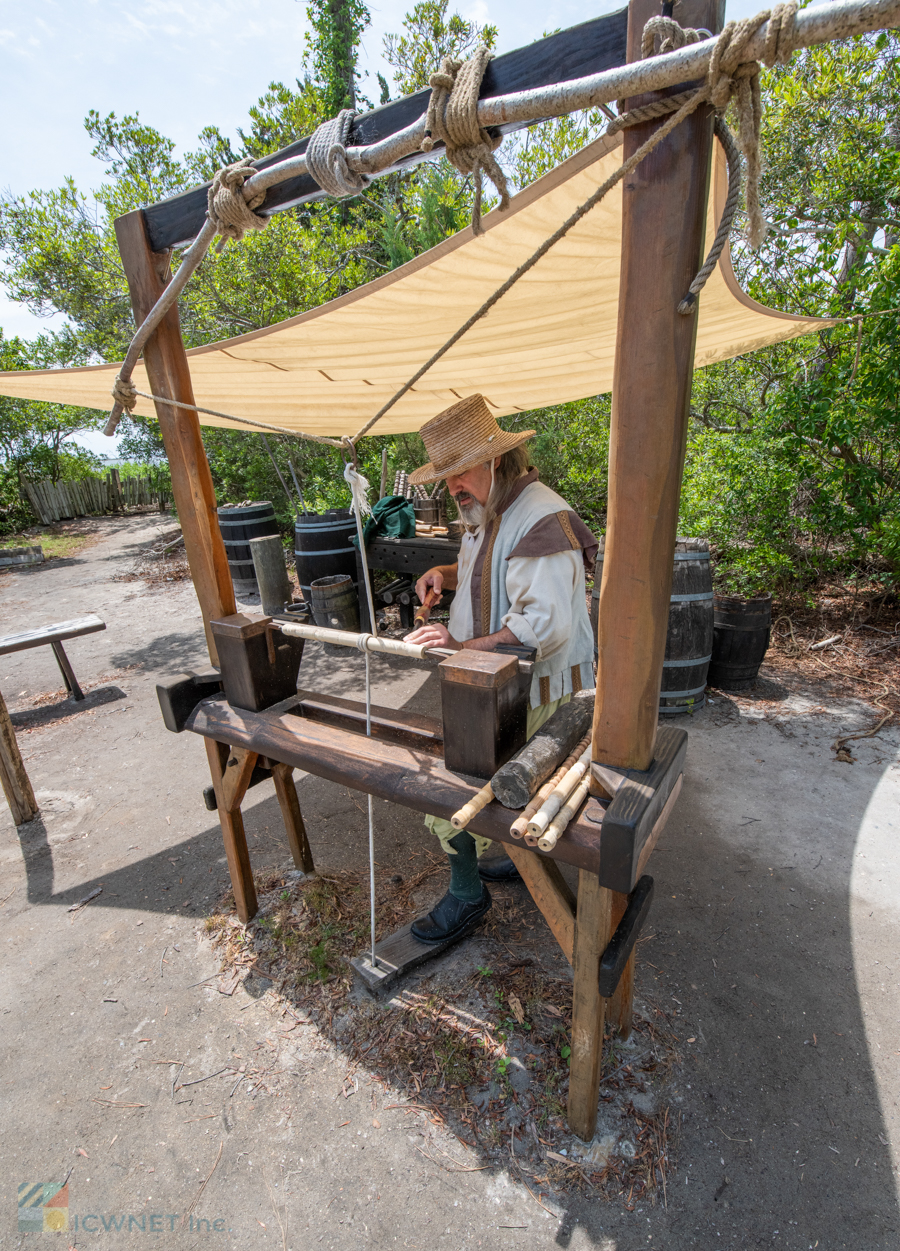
(43, 1207)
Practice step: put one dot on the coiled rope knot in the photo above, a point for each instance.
(125, 393)
(453, 119)
(732, 77)
(327, 160)
(228, 209)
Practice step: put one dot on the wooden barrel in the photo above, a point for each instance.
(322, 547)
(741, 633)
(239, 524)
(689, 636)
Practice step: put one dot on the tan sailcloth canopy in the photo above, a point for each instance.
(550, 339)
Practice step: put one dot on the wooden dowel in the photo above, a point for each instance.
(566, 814)
(519, 827)
(461, 819)
(554, 802)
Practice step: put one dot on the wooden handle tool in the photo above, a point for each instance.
(423, 613)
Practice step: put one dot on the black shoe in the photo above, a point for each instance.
(498, 869)
(450, 918)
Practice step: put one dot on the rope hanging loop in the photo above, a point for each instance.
(452, 117)
(228, 210)
(327, 159)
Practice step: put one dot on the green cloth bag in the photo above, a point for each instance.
(392, 517)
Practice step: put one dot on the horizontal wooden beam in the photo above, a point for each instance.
(402, 775)
(569, 54)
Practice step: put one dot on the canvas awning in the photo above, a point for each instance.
(549, 340)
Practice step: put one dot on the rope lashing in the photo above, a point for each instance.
(453, 118)
(326, 157)
(227, 209)
(125, 393)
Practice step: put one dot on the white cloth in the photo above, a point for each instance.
(541, 598)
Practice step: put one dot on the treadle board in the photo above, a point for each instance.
(397, 955)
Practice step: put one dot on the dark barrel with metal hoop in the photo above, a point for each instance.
(322, 547)
(689, 639)
(741, 633)
(239, 524)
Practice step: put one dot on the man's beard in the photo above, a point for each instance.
(472, 514)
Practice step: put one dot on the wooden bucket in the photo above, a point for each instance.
(741, 632)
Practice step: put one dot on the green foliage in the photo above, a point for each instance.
(793, 451)
(337, 26)
(429, 36)
(35, 438)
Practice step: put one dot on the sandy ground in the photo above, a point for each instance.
(775, 937)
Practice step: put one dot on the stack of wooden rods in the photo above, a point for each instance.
(519, 827)
(566, 814)
(538, 824)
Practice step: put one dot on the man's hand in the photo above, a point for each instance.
(433, 578)
(432, 635)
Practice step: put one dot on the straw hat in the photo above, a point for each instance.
(464, 435)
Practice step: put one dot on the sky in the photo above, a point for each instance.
(182, 65)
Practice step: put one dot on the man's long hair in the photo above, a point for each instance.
(506, 474)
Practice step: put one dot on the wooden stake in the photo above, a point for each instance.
(147, 273)
(14, 779)
(663, 234)
(592, 930)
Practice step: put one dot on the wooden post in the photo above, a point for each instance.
(147, 273)
(663, 235)
(592, 930)
(14, 779)
(621, 1006)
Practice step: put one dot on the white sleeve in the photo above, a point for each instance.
(541, 593)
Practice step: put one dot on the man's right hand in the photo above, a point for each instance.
(434, 578)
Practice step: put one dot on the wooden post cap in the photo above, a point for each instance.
(479, 668)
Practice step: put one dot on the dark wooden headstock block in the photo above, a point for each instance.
(259, 666)
(484, 705)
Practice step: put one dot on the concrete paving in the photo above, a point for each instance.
(775, 937)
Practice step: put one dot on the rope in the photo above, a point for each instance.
(326, 157)
(733, 157)
(247, 421)
(453, 118)
(227, 209)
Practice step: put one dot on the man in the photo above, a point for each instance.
(520, 580)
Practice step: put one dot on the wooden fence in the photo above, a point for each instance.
(91, 497)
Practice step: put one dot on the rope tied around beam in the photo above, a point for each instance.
(452, 117)
(327, 160)
(226, 206)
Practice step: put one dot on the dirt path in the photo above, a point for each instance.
(774, 949)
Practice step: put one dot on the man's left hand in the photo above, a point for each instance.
(432, 635)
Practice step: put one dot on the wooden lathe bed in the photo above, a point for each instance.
(609, 843)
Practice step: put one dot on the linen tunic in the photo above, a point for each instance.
(527, 571)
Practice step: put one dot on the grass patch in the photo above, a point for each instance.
(486, 1052)
(54, 543)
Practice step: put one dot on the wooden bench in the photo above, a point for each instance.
(54, 635)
